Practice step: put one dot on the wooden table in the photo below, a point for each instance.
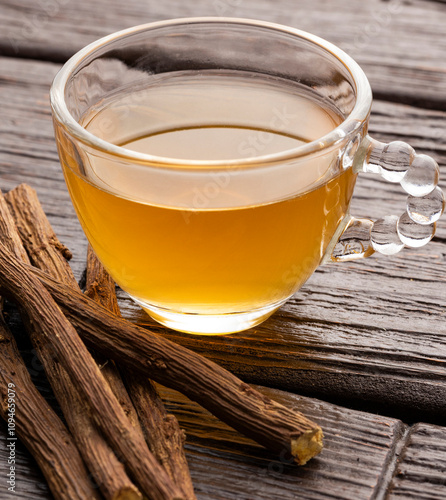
(367, 339)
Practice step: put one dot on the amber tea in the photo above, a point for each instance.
(209, 250)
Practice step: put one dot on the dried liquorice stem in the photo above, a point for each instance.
(97, 289)
(49, 254)
(223, 394)
(8, 232)
(38, 427)
(162, 431)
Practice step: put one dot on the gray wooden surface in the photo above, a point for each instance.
(415, 477)
(399, 43)
(369, 335)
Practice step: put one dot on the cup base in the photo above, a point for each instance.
(209, 324)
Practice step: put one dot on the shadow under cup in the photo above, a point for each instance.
(210, 162)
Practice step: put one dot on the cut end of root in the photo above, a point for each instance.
(307, 446)
(128, 493)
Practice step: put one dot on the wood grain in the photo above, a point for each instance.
(355, 443)
(29, 479)
(369, 333)
(421, 472)
(400, 45)
(225, 465)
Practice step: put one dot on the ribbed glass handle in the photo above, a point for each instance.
(418, 175)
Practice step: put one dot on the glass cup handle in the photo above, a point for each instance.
(418, 175)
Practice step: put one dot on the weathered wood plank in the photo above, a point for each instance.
(371, 333)
(226, 465)
(358, 448)
(27, 146)
(421, 471)
(400, 44)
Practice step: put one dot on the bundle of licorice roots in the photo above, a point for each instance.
(118, 441)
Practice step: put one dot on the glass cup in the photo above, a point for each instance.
(211, 163)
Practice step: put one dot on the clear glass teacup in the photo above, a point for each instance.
(211, 162)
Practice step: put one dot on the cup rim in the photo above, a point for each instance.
(349, 127)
